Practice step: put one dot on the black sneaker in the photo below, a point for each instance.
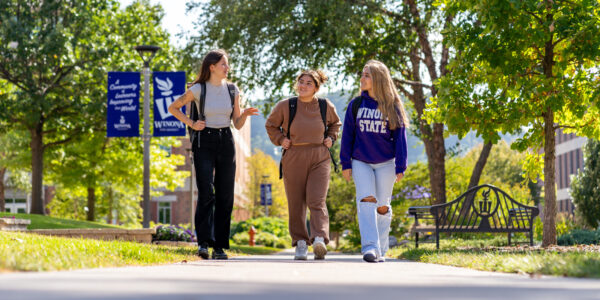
(219, 253)
(203, 250)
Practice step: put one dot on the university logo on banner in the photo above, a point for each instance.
(168, 86)
(122, 113)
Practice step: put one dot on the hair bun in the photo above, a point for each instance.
(323, 78)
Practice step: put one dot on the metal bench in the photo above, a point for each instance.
(484, 208)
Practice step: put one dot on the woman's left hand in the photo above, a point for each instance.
(328, 142)
(250, 111)
(399, 177)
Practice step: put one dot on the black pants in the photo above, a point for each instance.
(215, 178)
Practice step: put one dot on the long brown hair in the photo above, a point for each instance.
(386, 94)
(210, 59)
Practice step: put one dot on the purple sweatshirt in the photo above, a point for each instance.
(370, 139)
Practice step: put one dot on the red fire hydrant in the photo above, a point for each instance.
(251, 233)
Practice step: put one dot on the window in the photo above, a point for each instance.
(21, 211)
(164, 212)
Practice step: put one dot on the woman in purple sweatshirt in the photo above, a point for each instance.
(373, 153)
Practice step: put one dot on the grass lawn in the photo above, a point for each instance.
(45, 222)
(30, 252)
(493, 255)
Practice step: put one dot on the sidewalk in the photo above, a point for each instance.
(278, 276)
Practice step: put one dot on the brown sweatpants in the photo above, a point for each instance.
(306, 178)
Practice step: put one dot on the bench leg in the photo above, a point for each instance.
(509, 236)
(416, 240)
(531, 237)
(437, 240)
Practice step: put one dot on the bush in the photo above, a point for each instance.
(580, 237)
(173, 233)
(275, 226)
(263, 238)
(584, 186)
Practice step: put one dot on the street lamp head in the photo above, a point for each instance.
(147, 53)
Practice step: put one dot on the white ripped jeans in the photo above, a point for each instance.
(375, 180)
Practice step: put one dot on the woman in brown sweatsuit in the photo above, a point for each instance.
(306, 161)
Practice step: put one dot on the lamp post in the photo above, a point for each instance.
(192, 211)
(147, 54)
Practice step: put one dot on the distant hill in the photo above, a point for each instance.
(416, 149)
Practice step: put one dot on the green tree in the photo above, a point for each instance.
(584, 186)
(13, 162)
(523, 66)
(51, 52)
(87, 160)
(110, 174)
(271, 40)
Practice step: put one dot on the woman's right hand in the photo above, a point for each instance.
(286, 143)
(199, 125)
(347, 174)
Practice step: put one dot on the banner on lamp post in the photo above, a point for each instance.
(123, 104)
(168, 86)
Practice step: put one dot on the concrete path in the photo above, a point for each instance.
(279, 277)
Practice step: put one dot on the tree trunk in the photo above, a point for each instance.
(475, 177)
(91, 203)
(478, 170)
(433, 139)
(549, 235)
(109, 216)
(2, 199)
(37, 170)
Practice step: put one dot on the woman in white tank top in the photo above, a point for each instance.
(214, 151)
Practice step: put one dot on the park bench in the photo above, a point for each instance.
(483, 208)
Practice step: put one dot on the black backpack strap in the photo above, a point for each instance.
(197, 113)
(202, 100)
(355, 106)
(231, 88)
(292, 105)
(323, 109)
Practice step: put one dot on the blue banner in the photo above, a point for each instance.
(265, 194)
(122, 113)
(168, 86)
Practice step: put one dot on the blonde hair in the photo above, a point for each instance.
(386, 95)
(317, 76)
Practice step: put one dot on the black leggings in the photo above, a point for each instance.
(214, 160)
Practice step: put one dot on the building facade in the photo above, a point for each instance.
(569, 159)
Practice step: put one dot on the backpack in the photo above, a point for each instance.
(197, 109)
(293, 104)
(355, 106)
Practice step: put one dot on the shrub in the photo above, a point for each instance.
(584, 186)
(580, 237)
(173, 233)
(275, 226)
(263, 238)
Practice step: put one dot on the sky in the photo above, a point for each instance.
(175, 19)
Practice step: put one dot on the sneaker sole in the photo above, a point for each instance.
(300, 257)
(369, 257)
(320, 250)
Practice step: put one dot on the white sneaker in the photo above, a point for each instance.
(381, 259)
(319, 248)
(301, 250)
(370, 256)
